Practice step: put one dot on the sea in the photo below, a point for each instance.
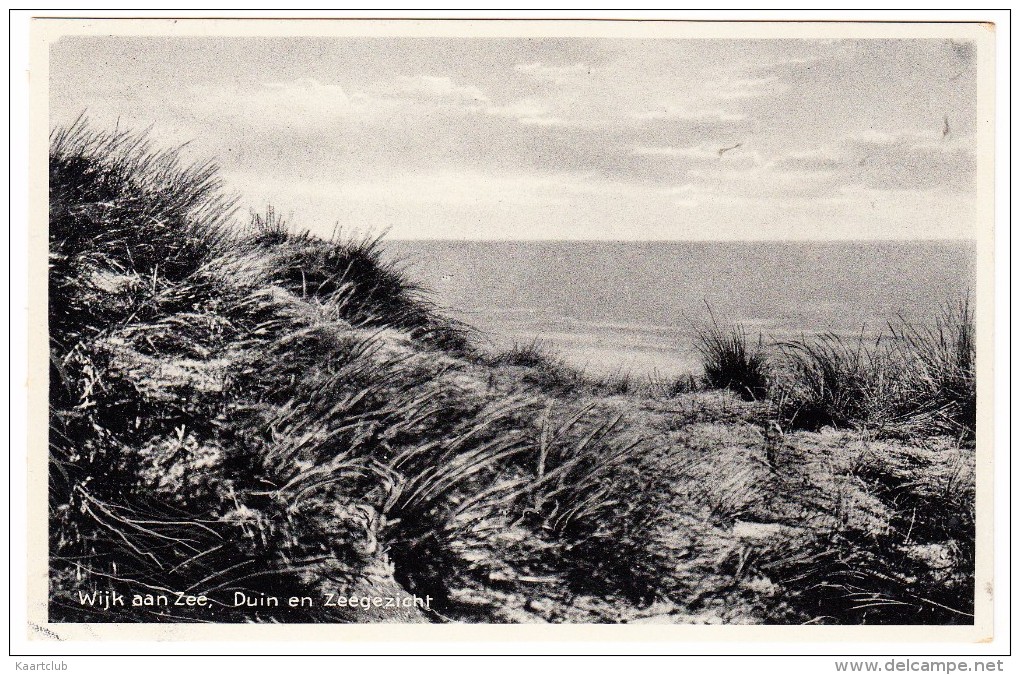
(635, 307)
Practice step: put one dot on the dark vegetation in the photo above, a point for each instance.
(257, 410)
(731, 361)
(913, 379)
(914, 383)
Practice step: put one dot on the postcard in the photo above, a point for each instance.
(444, 330)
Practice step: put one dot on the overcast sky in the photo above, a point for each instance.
(560, 139)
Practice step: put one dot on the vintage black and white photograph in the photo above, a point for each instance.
(368, 322)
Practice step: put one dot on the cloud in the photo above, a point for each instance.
(303, 96)
(731, 88)
(586, 132)
(432, 89)
(905, 161)
(669, 111)
(720, 96)
(301, 106)
(619, 92)
(697, 152)
(309, 107)
(532, 111)
(305, 89)
(553, 74)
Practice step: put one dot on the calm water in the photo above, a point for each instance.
(632, 307)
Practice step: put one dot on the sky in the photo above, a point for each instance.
(575, 138)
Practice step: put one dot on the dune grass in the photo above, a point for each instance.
(351, 274)
(940, 357)
(257, 409)
(731, 361)
(916, 377)
(245, 407)
(542, 367)
(841, 382)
